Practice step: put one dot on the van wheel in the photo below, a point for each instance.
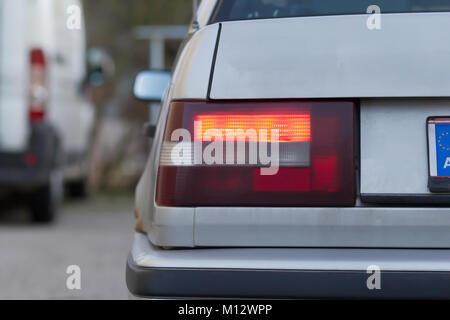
(45, 201)
(77, 189)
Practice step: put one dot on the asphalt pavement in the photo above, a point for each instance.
(95, 235)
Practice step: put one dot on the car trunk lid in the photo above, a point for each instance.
(333, 57)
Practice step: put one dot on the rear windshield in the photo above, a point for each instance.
(228, 10)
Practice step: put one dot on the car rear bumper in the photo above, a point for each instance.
(22, 178)
(32, 167)
(286, 273)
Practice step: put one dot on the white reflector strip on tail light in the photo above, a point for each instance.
(182, 154)
(177, 154)
(214, 154)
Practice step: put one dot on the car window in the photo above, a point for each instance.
(228, 10)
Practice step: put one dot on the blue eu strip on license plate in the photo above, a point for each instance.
(439, 154)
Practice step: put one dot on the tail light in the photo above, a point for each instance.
(258, 154)
(38, 86)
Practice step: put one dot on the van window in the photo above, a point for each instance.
(228, 10)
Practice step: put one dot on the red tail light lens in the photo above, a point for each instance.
(38, 86)
(218, 156)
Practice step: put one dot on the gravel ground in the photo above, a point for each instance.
(96, 235)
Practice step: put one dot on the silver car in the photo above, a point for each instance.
(302, 151)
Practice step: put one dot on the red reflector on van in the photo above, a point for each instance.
(37, 58)
(38, 92)
(258, 154)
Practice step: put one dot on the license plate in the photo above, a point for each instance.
(439, 154)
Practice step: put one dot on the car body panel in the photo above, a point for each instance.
(191, 75)
(394, 155)
(205, 11)
(333, 57)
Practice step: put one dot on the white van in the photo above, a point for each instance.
(45, 118)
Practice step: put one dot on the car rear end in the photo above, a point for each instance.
(354, 187)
